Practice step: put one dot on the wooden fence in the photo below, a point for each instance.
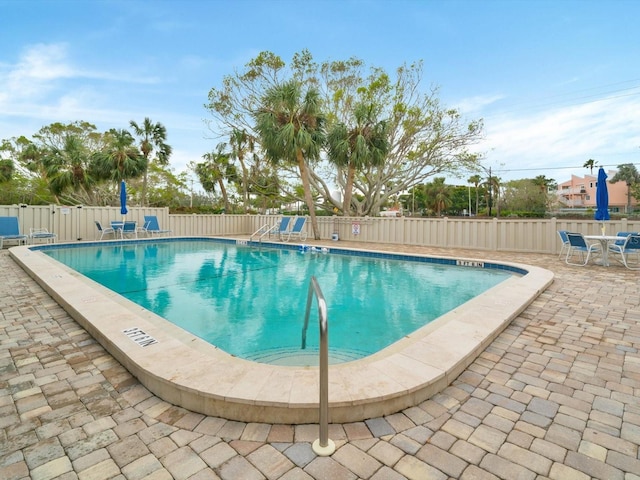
(499, 234)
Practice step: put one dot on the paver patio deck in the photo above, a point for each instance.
(556, 395)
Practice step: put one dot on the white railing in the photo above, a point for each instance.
(498, 234)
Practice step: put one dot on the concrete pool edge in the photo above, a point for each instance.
(188, 372)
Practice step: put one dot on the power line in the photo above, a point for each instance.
(508, 170)
(572, 100)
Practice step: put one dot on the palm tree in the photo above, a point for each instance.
(363, 144)
(496, 185)
(475, 181)
(439, 194)
(215, 170)
(627, 173)
(291, 127)
(493, 186)
(590, 164)
(152, 138)
(242, 143)
(119, 159)
(67, 168)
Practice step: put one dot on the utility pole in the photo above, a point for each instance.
(490, 192)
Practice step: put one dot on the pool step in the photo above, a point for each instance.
(296, 357)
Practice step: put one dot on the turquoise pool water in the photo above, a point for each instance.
(251, 301)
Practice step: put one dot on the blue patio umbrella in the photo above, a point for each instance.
(602, 198)
(123, 199)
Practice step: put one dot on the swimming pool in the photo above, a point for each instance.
(250, 302)
(184, 370)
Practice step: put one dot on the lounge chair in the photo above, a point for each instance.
(129, 229)
(102, 231)
(296, 232)
(10, 231)
(631, 246)
(41, 234)
(577, 244)
(281, 227)
(151, 226)
(565, 242)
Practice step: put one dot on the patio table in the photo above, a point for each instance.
(605, 240)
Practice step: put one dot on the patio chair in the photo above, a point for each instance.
(631, 246)
(151, 226)
(102, 231)
(577, 244)
(281, 228)
(620, 243)
(297, 230)
(10, 230)
(565, 242)
(129, 229)
(41, 234)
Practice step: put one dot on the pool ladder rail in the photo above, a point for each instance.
(323, 446)
(265, 229)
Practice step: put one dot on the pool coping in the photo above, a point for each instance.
(186, 371)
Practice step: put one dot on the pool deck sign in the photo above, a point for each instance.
(469, 263)
(139, 336)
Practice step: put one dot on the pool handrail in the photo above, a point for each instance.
(322, 446)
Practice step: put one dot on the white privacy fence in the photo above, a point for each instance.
(509, 234)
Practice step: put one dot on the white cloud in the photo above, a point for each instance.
(472, 105)
(606, 130)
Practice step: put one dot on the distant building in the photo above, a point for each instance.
(580, 193)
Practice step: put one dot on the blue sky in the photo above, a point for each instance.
(556, 82)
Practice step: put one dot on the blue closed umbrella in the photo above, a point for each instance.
(123, 198)
(602, 198)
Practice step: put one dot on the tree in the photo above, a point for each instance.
(627, 173)
(438, 195)
(30, 182)
(475, 181)
(152, 138)
(119, 159)
(590, 164)
(68, 169)
(363, 144)
(215, 170)
(6, 170)
(545, 185)
(426, 139)
(492, 185)
(242, 144)
(58, 147)
(525, 195)
(266, 186)
(291, 129)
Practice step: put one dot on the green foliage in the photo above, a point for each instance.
(360, 145)
(290, 125)
(526, 195)
(425, 139)
(628, 173)
(152, 142)
(73, 164)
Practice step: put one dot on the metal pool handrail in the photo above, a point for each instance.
(264, 230)
(323, 446)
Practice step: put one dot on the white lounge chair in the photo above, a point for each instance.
(297, 230)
